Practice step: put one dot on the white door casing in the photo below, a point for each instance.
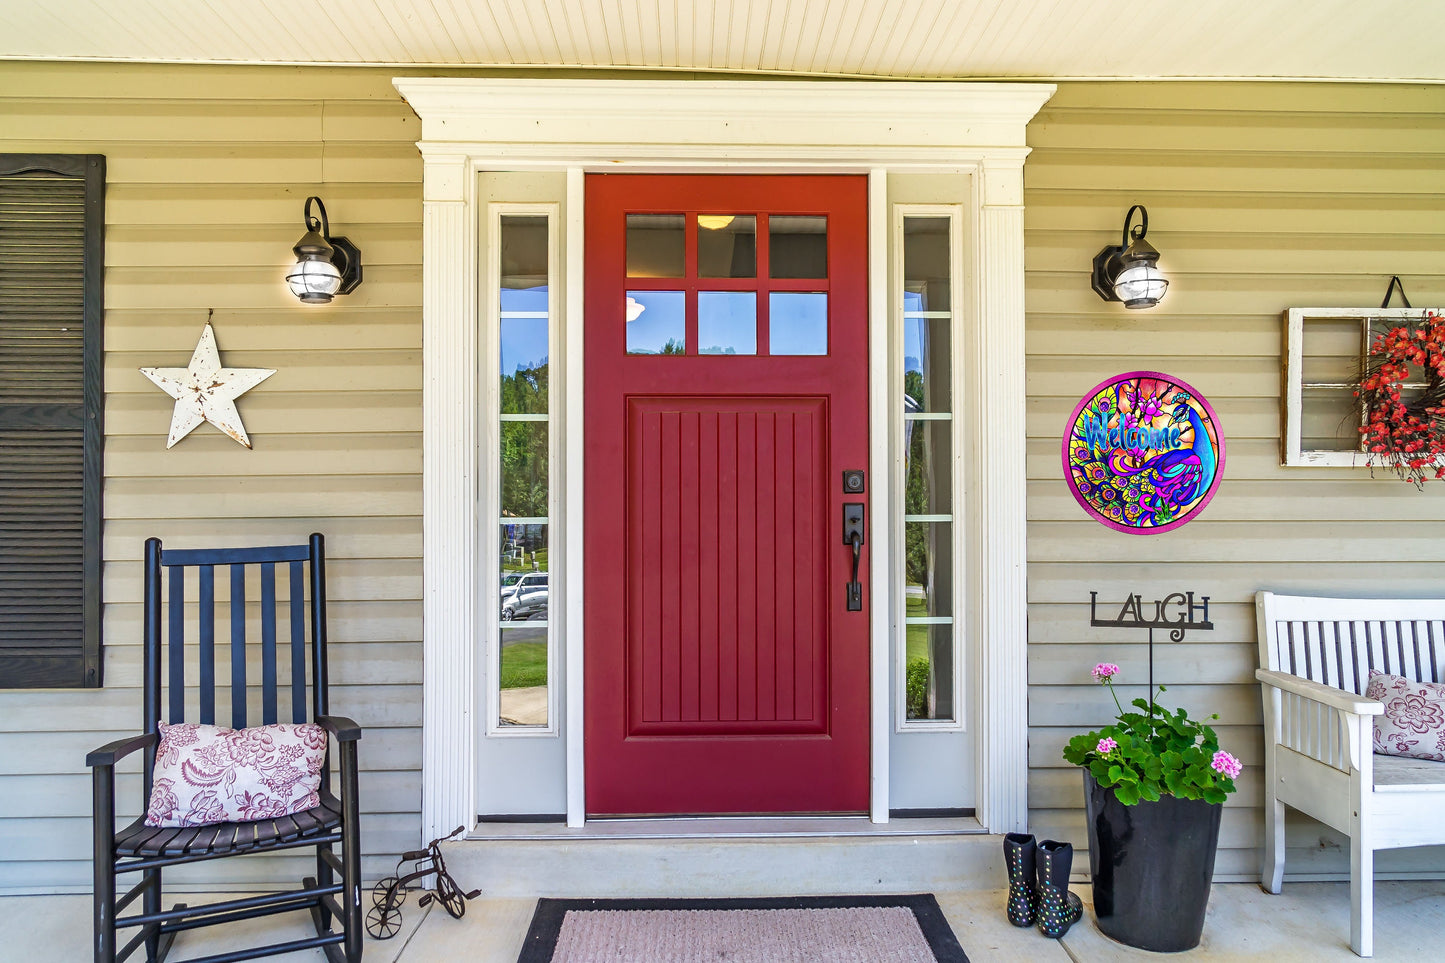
(578, 126)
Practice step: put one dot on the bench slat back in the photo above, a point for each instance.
(1339, 642)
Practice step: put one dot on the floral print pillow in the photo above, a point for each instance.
(210, 774)
(1414, 720)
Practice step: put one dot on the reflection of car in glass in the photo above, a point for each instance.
(528, 602)
(525, 584)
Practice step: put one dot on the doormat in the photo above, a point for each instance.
(815, 929)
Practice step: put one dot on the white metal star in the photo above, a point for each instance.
(204, 391)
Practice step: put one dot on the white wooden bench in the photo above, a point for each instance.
(1316, 655)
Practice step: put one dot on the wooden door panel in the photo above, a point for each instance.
(725, 510)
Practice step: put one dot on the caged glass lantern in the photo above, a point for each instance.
(325, 266)
(1130, 272)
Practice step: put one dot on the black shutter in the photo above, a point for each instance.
(52, 246)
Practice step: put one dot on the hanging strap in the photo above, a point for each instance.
(1395, 284)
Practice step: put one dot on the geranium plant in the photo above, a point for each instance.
(1154, 752)
(1405, 431)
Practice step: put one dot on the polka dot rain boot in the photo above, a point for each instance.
(1023, 898)
(1058, 908)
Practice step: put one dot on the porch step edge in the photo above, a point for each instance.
(683, 867)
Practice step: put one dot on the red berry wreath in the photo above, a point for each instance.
(1406, 434)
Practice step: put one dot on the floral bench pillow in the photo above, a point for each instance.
(210, 774)
(1413, 723)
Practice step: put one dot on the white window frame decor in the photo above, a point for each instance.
(957, 517)
(490, 450)
(473, 125)
(1296, 323)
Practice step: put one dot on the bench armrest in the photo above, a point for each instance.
(1318, 692)
(112, 752)
(344, 729)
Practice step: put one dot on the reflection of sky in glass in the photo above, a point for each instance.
(524, 344)
(727, 322)
(797, 323)
(662, 320)
(524, 340)
(914, 330)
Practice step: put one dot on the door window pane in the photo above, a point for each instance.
(926, 263)
(522, 674)
(929, 675)
(927, 467)
(727, 245)
(797, 323)
(927, 362)
(727, 322)
(928, 567)
(656, 322)
(523, 551)
(524, 365)
(797, 247)
(656, 245)
(524, 469)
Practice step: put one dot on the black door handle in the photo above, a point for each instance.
(853, 535)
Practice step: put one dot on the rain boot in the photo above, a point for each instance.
(1058, 908)
(1023, 898)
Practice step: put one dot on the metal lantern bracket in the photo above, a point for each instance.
(346, 256)
(1131, 616)
(1106, 262)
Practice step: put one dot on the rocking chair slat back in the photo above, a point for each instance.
(171, 566)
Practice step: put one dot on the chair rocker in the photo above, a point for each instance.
(147, 850)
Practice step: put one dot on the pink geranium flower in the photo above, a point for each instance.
(1106, 746)
(1226, 764)
(1105, 671)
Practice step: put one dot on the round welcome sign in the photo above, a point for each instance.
(1143, 452)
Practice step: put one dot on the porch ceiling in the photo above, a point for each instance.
(1046, 39)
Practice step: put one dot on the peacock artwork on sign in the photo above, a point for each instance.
(1143, 452)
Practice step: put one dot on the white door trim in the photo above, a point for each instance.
(481, 124)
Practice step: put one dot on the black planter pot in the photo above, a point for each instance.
(1152, 864)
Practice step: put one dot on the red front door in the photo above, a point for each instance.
(726, 382)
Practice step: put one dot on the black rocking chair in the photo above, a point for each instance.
(147, 850)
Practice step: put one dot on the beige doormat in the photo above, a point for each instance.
(816, 929)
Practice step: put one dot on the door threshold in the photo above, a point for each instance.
(731, 827)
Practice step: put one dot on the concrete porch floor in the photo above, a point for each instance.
(1307, 922)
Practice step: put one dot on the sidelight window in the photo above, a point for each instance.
(928, 666)
(522, 659)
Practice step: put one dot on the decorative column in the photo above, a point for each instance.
(997, 562)
(449, 493)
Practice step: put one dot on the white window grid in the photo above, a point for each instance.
(491, 467)
(901, 417)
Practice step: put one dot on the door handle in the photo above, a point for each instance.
(853, 534)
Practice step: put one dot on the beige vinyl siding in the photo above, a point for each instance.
(208, 170)
(1261, 197)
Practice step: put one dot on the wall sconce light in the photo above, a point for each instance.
(325, 266)
(1130, 272)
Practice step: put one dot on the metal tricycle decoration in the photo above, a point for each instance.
(383, 920)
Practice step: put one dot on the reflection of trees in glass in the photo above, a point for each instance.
(913, 387)
(524, 468)
(524, 392)
(673, 346)
(524, 443)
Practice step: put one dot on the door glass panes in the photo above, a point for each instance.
(727, 246)
(929, 652)
(727, 322)
(797, 322)
(523, 647)
(656, 245)
(797, 247)
(524, 469)
(656, 322)
(927, 467)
